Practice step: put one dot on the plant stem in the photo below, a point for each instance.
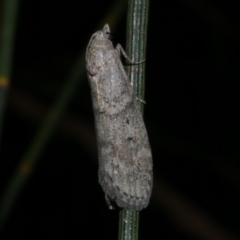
(136, 49)
(128, 225)
(136, 43)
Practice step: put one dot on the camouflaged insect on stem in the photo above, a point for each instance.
(125, 159)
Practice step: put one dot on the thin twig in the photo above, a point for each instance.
(136, 48)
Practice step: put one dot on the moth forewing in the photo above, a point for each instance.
(125, 159)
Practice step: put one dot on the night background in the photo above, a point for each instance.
(191, 114)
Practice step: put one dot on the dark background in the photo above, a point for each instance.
(192, 118)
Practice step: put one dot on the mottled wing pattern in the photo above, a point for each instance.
(126, 172)
(125, 161)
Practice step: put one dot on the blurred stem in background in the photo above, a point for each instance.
(31, 156)
(137, 21)
(9, 13)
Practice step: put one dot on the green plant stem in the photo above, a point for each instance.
(6, 49)
(137, 20)
(136, 44)
(128, 224)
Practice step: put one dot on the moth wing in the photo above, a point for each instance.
(126, 172)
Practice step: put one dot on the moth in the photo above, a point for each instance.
(125, 159)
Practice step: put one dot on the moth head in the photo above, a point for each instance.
(103, 34)
(107, 32)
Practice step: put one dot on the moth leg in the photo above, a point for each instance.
(109, 204)
(140, 100)
(120, 50)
